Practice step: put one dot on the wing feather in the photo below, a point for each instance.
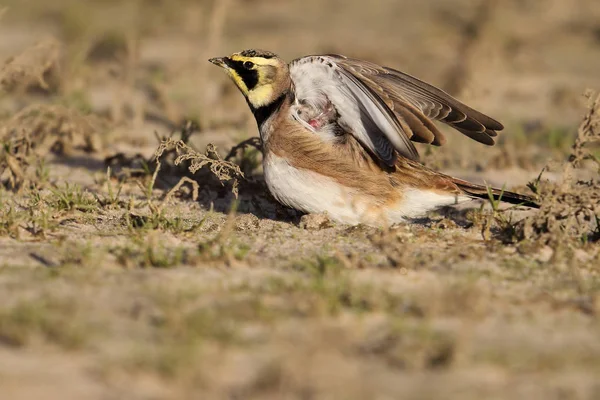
(385, 109)
(426, 100)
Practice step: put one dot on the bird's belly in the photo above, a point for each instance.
(311, 192)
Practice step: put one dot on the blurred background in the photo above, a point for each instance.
(140, 65)
(123, 301)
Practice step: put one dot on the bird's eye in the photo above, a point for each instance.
(248, 64)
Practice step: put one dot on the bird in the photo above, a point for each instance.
(337, 136)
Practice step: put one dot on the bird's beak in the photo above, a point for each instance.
(219, 61)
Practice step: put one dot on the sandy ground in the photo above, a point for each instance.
(110, 288)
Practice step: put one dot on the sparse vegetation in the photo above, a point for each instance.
(141, 255)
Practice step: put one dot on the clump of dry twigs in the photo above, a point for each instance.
(224, 170)
(571, 208)
(35, 67)
(53, 128)
(36, 131)
(29, 135)
(587, 134)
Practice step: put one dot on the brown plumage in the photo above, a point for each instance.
(337, 136)
(417, 103)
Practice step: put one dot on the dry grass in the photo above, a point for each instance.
(224, 170)
(570, 209)
(35, 67)
(128, 271)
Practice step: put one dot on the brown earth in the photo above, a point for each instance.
(116, 282)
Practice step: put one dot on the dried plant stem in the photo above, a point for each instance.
(588, 132)
(252, 142)
(222, 169)
(182, 181)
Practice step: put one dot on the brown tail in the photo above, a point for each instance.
(481, 192)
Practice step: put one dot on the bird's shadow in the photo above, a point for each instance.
(81, 161)
(253, 197)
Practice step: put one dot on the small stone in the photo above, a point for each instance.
(315, 222)
(247, 223)
(544, 254)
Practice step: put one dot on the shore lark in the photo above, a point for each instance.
(338, 133)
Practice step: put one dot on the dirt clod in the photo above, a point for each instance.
(315, 222)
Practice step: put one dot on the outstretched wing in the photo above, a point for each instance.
(360, 111)
(417, 102)
(383, 108)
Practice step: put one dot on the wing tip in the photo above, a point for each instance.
(493, 125)
(479, 136)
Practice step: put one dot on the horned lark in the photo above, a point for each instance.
(338, 135)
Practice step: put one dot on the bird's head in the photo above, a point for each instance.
(261, 76)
